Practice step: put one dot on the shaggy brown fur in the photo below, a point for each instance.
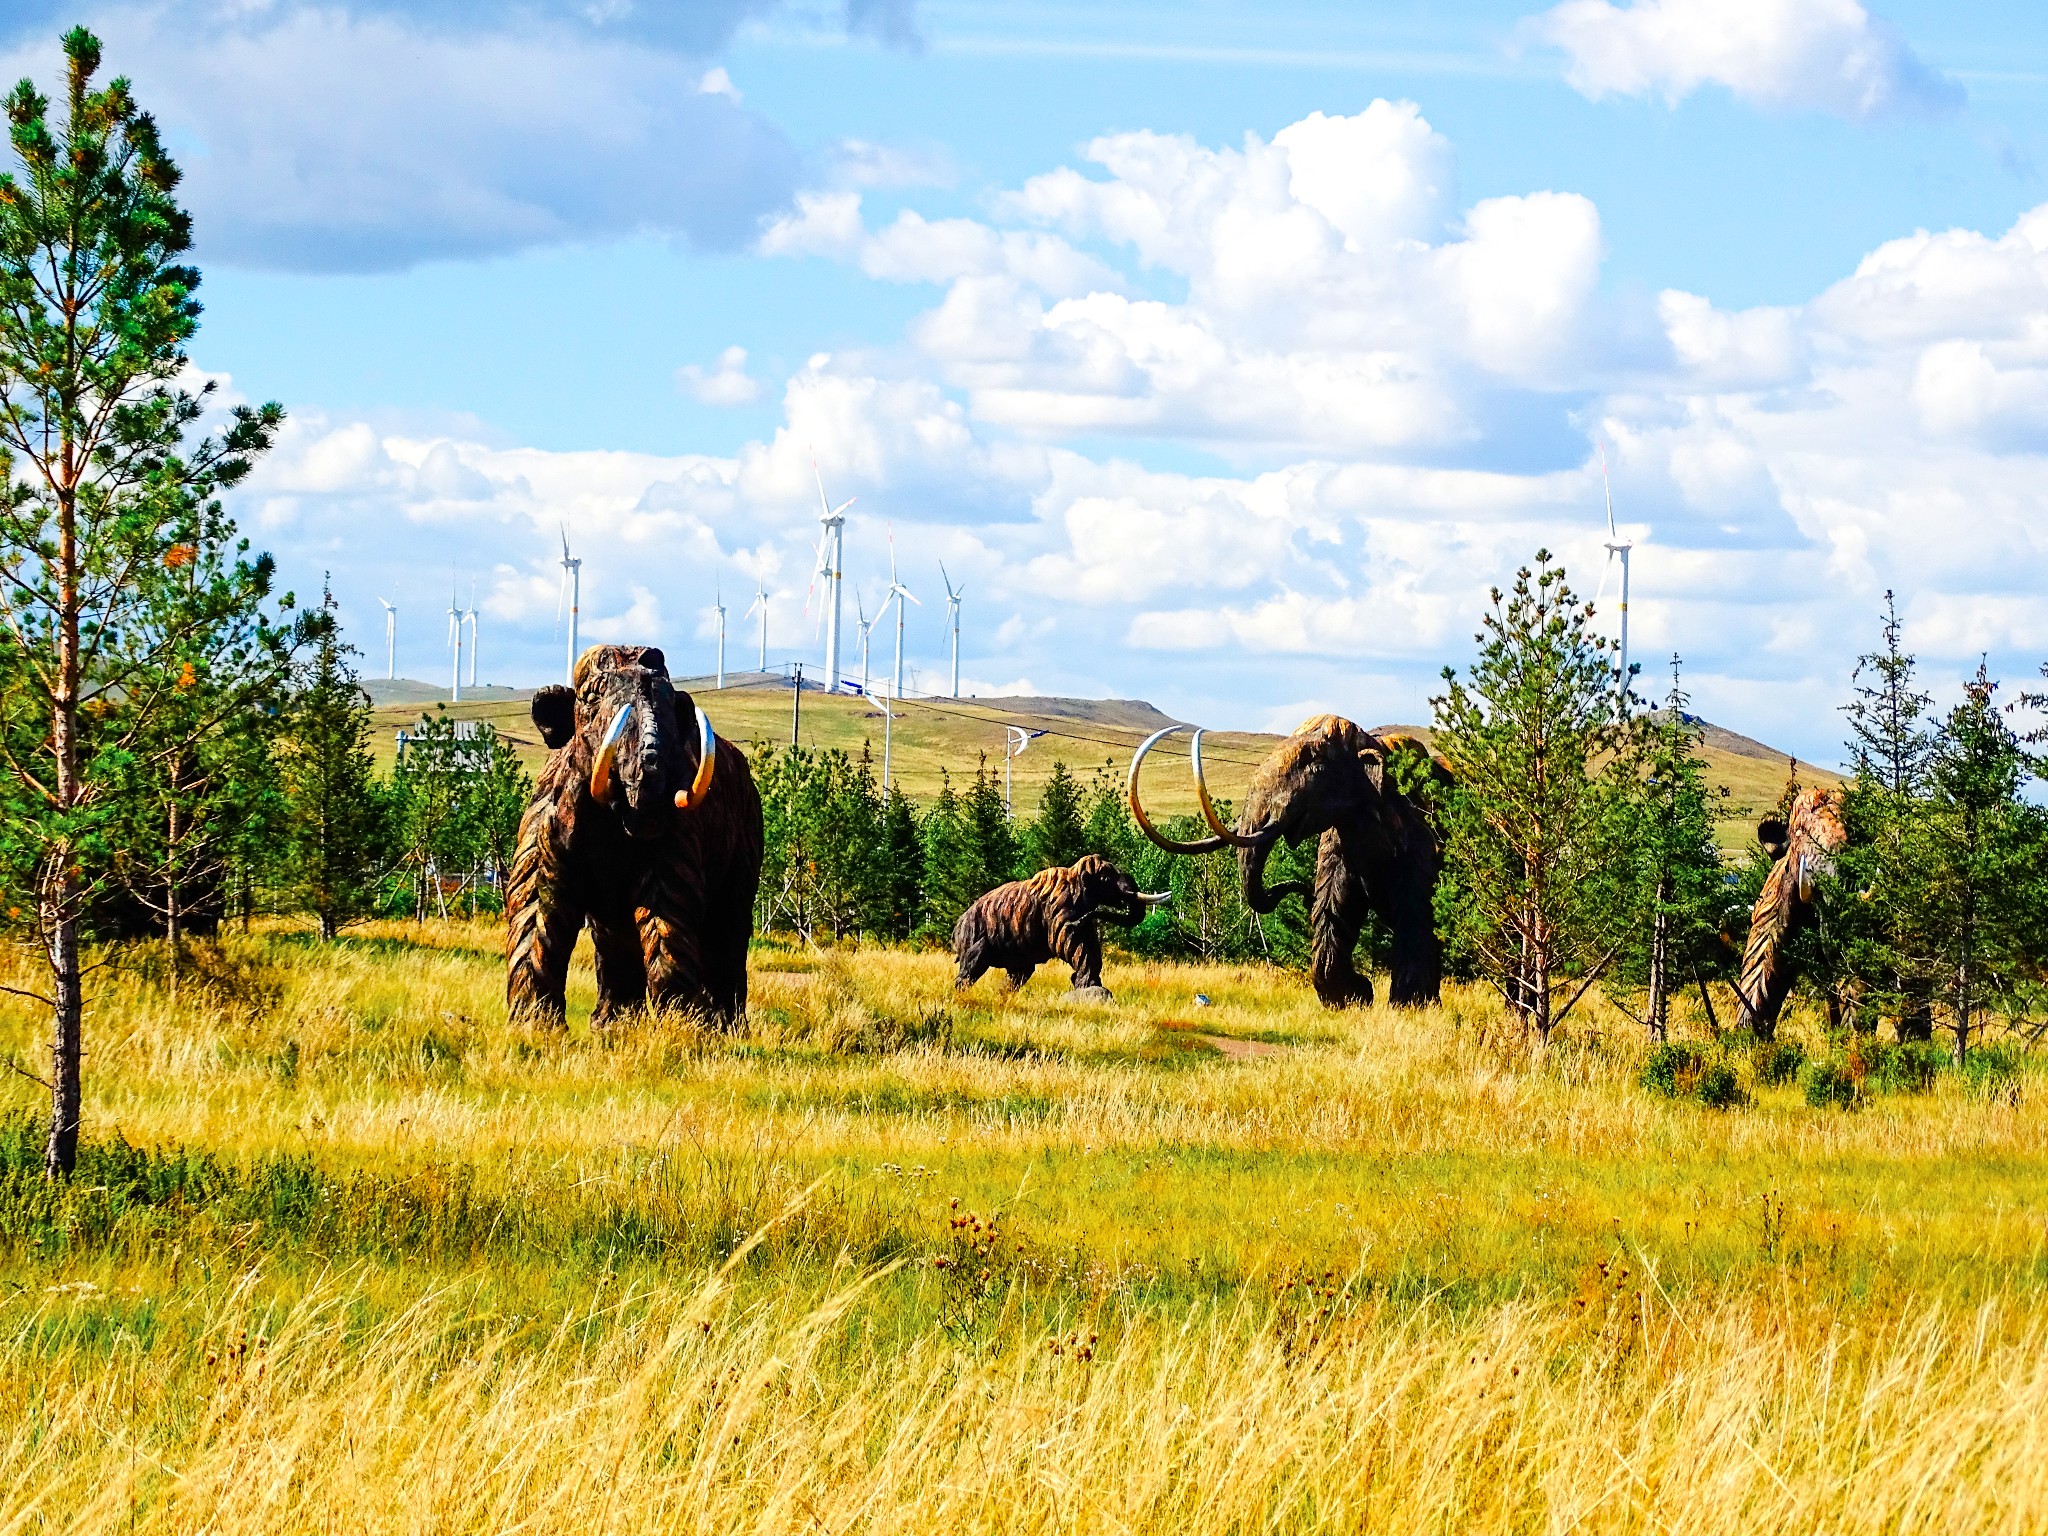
(1052, 916)
(1375, 853)
(1804, 845)
(668, 894)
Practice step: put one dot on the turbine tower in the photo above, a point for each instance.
(455, 641)
(718, 607)
(761, 602)
(898, 594)
(390, 638)
(469, 618)
(1617, 547)
(831, 566)
(953, 614)
(572, 589)
(866, 626)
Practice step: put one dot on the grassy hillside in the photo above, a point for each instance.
(346, 1251)
(958, 735)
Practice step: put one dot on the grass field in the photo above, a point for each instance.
(956, 735)
(346, 1252)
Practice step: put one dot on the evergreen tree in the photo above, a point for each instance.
(1539, 764)
(1058, 836)
(993, 854)
(902, 868)
(951, 870)
(1871, 939)
(1977, 865)
(1675, 872)
(98, 486)
(496, 791)
(427, 790)
(336, 828)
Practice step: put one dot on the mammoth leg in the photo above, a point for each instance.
(541, 923)
(1336, 917)
(1019, 974)
(621, 971)
(1080, 945)
(1418, 960)
(672, 940)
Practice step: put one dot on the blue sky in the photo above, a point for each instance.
(1228, 353)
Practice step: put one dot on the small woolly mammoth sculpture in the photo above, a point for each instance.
(1376, 851)
(645, 826)
(1803, 847)
(1052, 916)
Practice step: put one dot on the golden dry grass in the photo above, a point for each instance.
(1023, 1264)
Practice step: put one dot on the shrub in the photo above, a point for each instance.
(1672, 1069)
(1718, 1087)
(1828, 1084)
(1994, 1071)
(1910, 1066)
(1777, 1061)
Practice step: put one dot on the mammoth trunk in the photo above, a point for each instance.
(1251, 872)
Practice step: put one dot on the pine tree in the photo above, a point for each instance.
(496, 791)
(951, 870)
(902, 868)
(991, 840)
(336, 828)
(1675, 872)
(1058, 836)
(1539, 765)
(1872, 939)
(1977, 864)
(99, 487)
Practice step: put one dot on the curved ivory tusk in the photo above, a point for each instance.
(1206, 845)
(1235, 839)
(607, 749)
(707, 763)
(1158, 899)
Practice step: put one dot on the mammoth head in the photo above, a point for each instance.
(650, 751)
(1108, 892)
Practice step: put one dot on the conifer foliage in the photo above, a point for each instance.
(99, 488)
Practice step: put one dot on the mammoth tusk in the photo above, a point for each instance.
(707, 764)
(1155, 899)
(1206, 845)
(607, 749)
(1235, 839)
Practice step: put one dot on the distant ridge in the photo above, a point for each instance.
(407, 690)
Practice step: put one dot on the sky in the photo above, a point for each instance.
(1225, 355)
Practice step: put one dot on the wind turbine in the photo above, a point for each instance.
(897, 594)
(572, 589)
(761, 602)
(831, 563)
(455, 640)
(1616, 546)
(866, 626)
(390, 638)
(718, 607)
(953, 614)
(469, 618)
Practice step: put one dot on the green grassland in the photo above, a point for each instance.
(345, 1245)
(958, 736)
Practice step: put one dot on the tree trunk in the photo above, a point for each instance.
(1660, 951)
(328, 927)
(67, 1040)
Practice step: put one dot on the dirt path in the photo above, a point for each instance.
(1241, 1050)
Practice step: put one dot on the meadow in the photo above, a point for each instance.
(345, 1251)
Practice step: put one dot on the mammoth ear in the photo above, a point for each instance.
(554, 712)
(652, 659)
(1773, 834)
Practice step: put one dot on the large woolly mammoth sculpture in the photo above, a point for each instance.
(645, 826)
(1376, 851)
(1052, 916)
(1803, 848)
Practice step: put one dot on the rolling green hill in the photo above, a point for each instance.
(959, 735)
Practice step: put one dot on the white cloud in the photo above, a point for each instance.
(1398, 401)
(727, 384)
(1806, 55)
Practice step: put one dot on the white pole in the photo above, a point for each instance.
(455, 634)
(474, 646)
(761, 596)
(1623, 686)
(956, 647)
(888, 741)
(575, 605)
(836, 534)
(721, 644)
(390, 641)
